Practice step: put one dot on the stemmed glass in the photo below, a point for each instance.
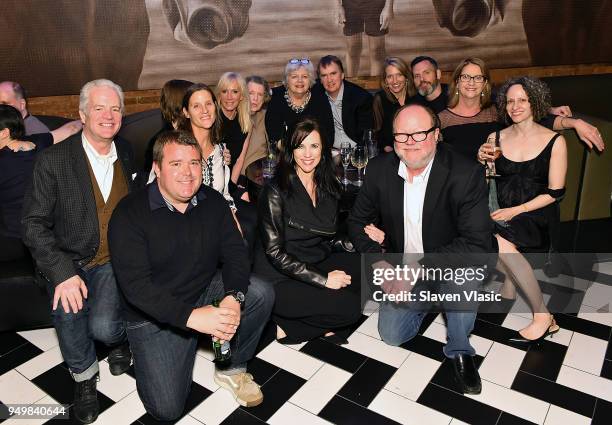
(370, 142)
(345, 156)
(359, 158)
(496, 151)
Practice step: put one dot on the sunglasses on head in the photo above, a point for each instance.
(296, 61)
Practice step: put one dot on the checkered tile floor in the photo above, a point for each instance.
(567, 380)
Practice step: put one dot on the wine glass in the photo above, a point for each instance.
(496, 150)
(359, 159)
(345, 156)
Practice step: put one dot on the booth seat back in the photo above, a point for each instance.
(589, 176)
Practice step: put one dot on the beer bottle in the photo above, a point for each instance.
(222, 351)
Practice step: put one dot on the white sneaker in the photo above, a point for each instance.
(246, 391)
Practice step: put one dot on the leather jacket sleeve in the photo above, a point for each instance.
(273, 239)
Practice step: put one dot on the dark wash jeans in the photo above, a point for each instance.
(99, 319)
(164, 356)
(398, 323)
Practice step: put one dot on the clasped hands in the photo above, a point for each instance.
(219, 322)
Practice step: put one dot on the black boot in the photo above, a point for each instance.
(86, 406)
(466, 374)
(120, 359)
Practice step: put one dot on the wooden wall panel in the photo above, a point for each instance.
(142, 100)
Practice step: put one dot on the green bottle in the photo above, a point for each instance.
(222, 351)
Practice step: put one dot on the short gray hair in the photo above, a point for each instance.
(102, 82)
(309, 67)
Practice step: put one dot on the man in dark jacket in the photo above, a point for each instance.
(350, 106)
(431, 202)
(75, 187)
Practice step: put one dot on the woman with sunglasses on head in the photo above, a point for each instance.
(316, 284)
(532, 169)
(397, 86)
(294, 99)
(470, 116)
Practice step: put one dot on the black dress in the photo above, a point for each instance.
(232, 136)
(467, 134)
(520, 182)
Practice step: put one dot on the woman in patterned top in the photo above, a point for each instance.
(200, 117)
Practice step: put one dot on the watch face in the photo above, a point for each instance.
(240, 297)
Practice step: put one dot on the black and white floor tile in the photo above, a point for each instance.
(567, 380)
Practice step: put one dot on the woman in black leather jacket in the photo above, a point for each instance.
(317, 288)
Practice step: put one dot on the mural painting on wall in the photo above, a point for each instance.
(53, 46)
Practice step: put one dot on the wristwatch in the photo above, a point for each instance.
(237, 295)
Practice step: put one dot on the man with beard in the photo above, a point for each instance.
(431, 92)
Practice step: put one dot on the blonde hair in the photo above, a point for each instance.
(453, 92)
(244, 109)
(404, 69)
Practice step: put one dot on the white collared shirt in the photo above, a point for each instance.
(414, 197)
(102, 166)
(336, 108)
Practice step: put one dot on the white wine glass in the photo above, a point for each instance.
(359, 159)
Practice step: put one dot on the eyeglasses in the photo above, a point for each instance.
(476, 78)
(418, 136)
(295, 61)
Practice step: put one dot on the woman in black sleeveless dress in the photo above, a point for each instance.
(532, 170)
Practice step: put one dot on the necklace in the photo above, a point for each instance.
(295, 108)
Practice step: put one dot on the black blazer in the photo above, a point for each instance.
(455, 210)
(356, 109)
(60, 222)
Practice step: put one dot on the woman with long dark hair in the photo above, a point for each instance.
(316, 287)
(201, 118)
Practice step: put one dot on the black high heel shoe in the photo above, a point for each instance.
(552, 329)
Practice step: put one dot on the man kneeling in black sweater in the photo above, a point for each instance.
(166, 241)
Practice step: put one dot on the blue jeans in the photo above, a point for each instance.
(398, 323)
(99, 319)
(164, 356)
